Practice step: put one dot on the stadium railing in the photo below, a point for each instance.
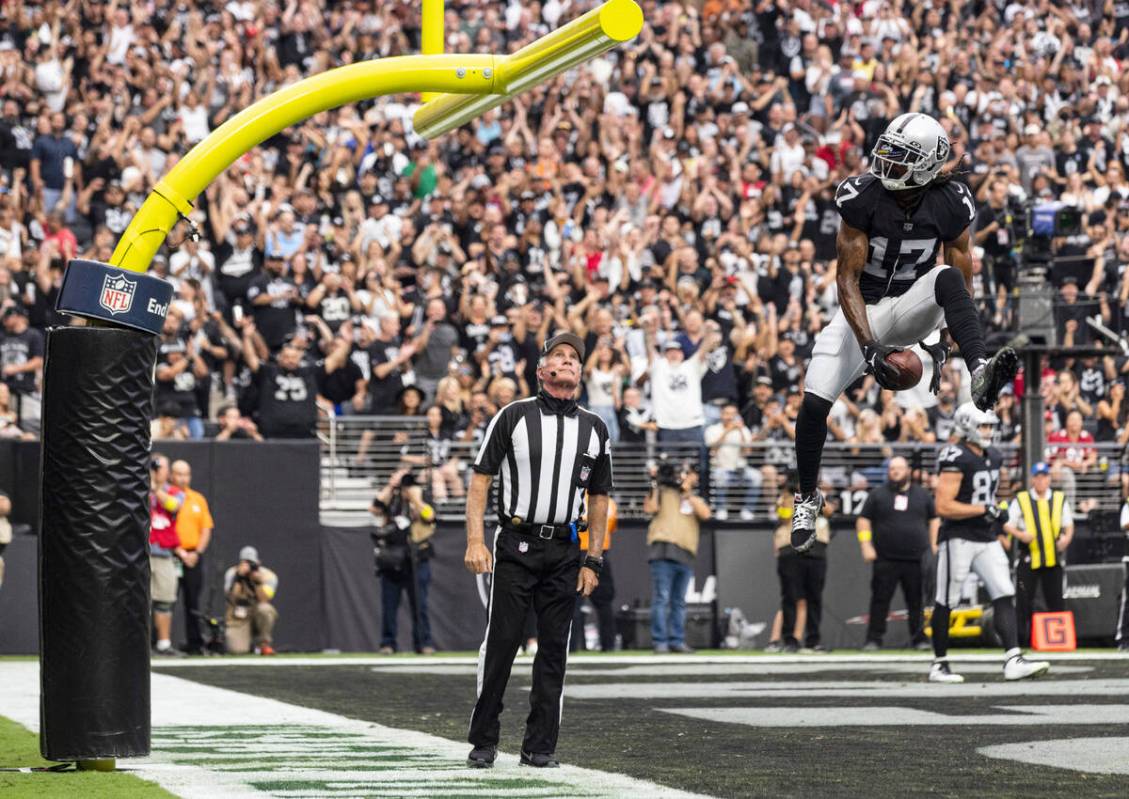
(349, 478)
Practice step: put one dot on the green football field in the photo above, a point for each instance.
(800, 727)
(722, 726)
(19, 748)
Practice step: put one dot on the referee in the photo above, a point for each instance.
(552, 455)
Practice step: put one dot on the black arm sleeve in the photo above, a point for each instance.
(497, 441)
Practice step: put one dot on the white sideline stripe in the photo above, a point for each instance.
(860, 689)
(179, 704)
(580, 661)
(752, 669)
(1091, 755)
(889, 716)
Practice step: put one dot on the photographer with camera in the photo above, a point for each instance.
(672, 540)
(165, 501)
(995, 232)
(250, 617)
(403, 526)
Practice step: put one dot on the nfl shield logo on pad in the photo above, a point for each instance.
(523, 546)
(117, 294)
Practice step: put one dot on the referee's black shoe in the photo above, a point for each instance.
(538, 760)
(482, 757)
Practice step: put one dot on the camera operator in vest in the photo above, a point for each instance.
(404, 525)
(672, 540)
(250, 617)
(1040, 520)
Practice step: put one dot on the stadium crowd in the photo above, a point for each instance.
(675, 192)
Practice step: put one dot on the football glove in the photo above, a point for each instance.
(992, 512)
(939, 352)
(874, 353)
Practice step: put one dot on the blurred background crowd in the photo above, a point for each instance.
(671, 202)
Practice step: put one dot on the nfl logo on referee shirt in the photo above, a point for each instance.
(523, 546)
(117, 294)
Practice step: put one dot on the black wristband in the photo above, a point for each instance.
(595, 564)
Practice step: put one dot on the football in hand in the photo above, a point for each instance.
(909, 368)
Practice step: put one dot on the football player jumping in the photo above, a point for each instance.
(892, 291)
(968, 474)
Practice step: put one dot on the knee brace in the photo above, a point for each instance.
(814, 407)
(162, 607)
(961, 317)
(949, 286)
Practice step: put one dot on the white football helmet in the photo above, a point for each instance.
(968, 424)
(910, 153)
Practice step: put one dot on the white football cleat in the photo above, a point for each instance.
(939, 672)
(1019, 668)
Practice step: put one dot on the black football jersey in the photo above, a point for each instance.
(980, 476)
(903, 246)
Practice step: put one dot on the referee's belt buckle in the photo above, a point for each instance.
(547, 531)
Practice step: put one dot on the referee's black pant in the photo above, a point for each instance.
(1027, 581)
(885, 578)
(527, 570)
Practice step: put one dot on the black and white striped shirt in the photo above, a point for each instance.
(550, 454)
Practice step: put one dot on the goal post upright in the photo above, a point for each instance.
(98, 379)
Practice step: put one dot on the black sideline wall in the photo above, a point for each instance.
(266, 495)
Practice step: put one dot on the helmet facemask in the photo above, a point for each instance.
(901, 163)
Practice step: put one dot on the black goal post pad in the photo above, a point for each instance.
(94, 546)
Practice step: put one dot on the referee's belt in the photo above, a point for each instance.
(545, 531)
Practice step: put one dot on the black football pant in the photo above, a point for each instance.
(542, 573)
(885, 578)
(192, 586)
(801, 577)
(1027, 582)
(602, 600)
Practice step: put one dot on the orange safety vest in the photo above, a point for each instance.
(613, 517)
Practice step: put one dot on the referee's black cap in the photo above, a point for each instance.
(570, 339)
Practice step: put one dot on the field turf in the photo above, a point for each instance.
(733, 727)
(20, 749)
